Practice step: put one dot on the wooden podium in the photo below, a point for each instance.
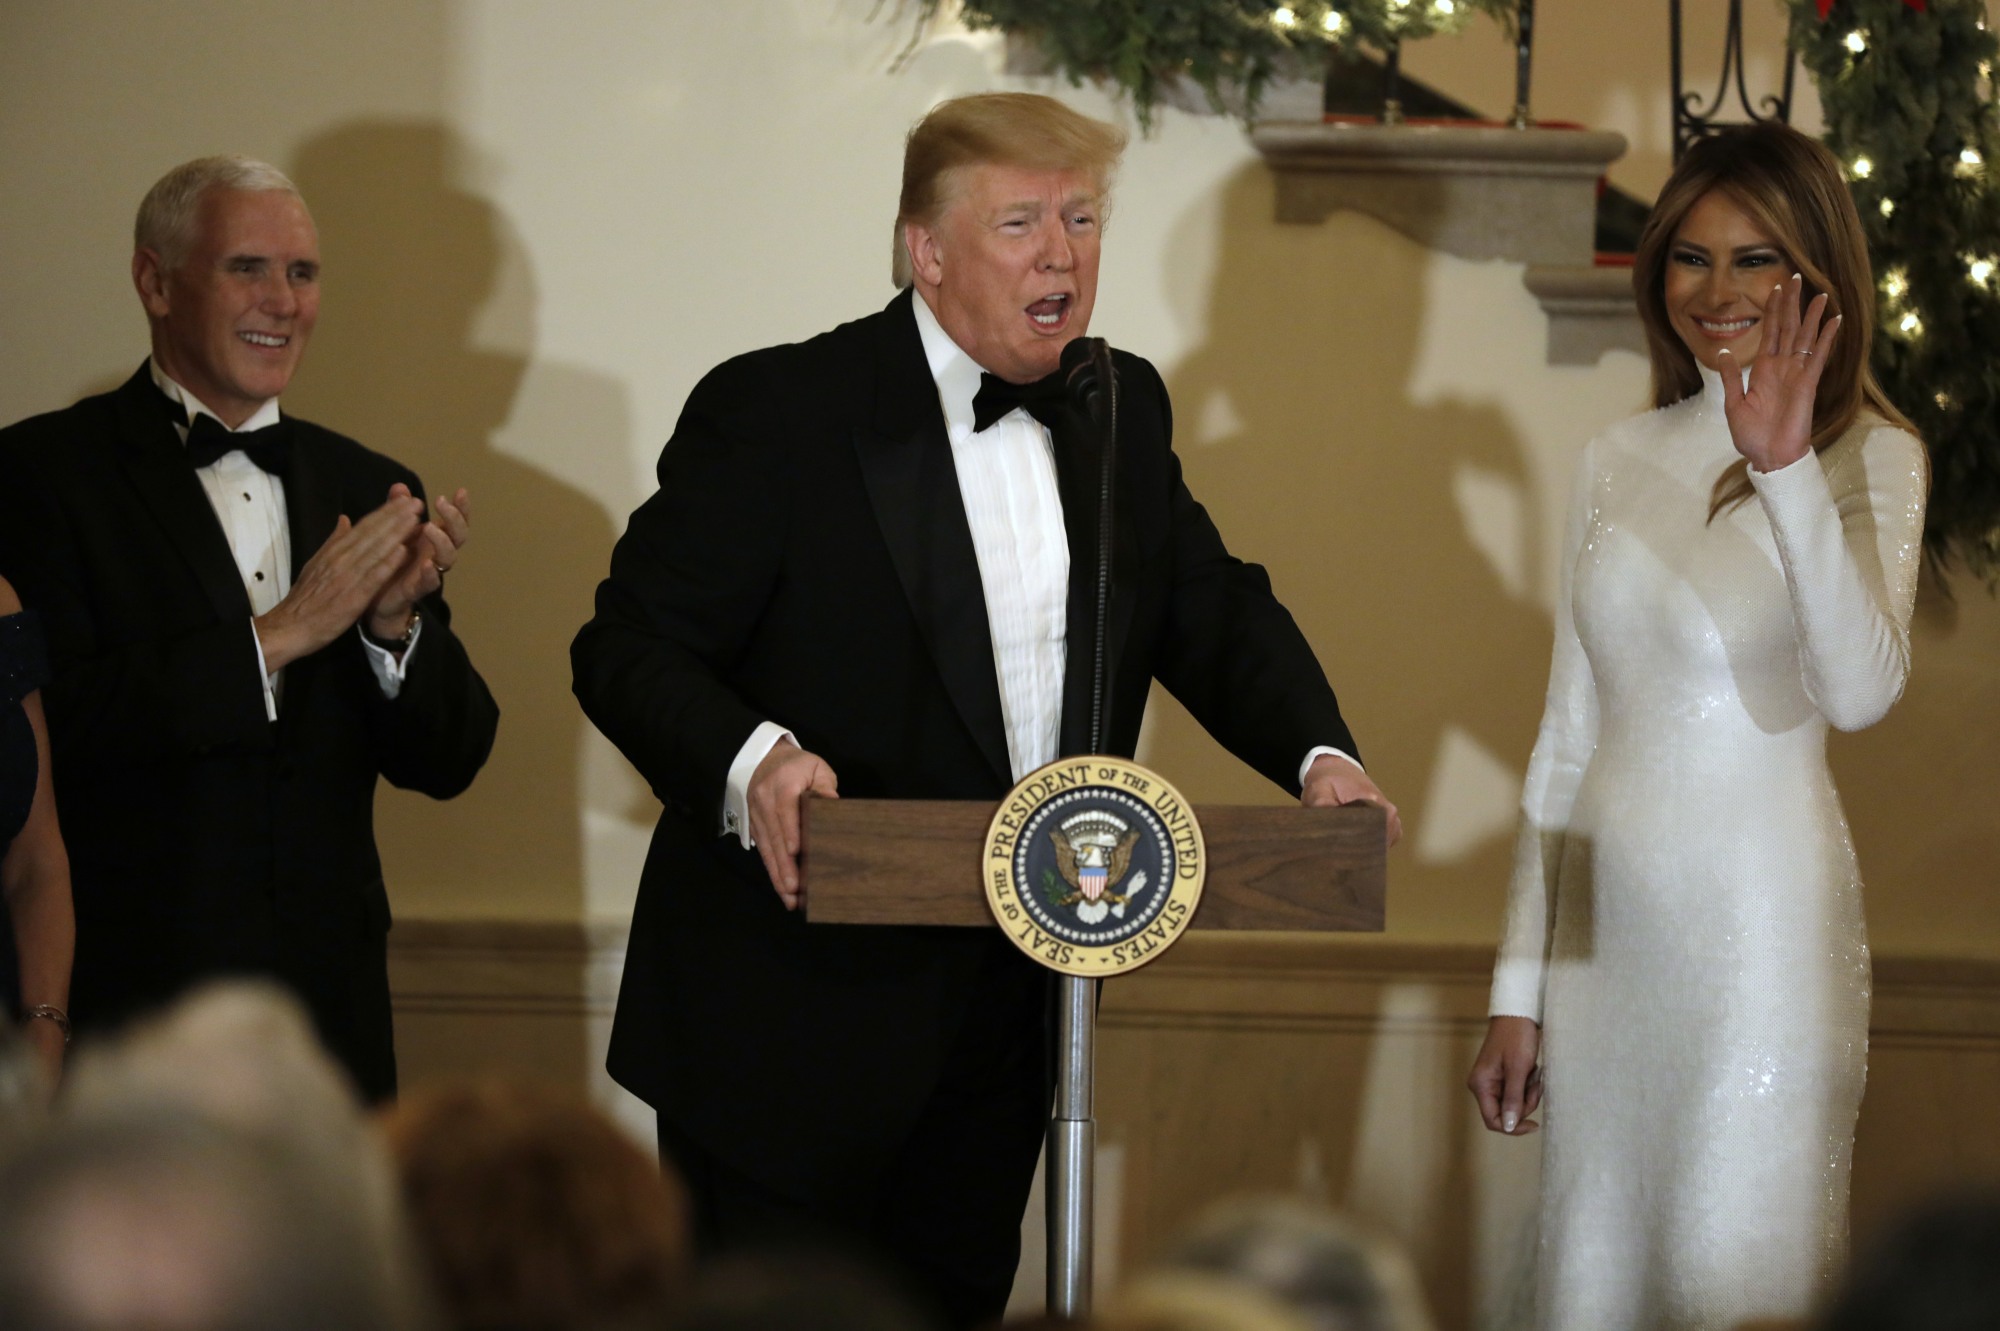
(918, 862)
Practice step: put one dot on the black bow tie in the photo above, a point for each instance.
(1044, 398)
(208, 441)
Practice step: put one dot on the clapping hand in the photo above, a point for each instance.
(1771, 418)
(429, 553)
(340, 581)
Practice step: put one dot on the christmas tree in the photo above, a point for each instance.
(1907, 87)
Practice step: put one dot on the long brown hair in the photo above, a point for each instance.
(1791, 187)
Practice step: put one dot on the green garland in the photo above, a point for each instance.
(1908, 97)
(1230, 49)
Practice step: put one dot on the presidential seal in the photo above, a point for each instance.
(1094, 865)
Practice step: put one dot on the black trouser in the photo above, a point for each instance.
(946, 1213)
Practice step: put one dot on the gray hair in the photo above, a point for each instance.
(167, 214)
(159, 1217)
(241, 1054)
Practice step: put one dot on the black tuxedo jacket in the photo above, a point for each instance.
(203, 838)
(807, 560)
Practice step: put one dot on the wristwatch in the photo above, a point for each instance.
(397, 645)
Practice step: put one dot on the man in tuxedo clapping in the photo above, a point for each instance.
(246, 628)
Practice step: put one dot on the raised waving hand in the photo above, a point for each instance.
(1771, 416)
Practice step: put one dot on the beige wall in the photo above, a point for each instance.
(544, 221)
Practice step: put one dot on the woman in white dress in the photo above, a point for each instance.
(1684, 971)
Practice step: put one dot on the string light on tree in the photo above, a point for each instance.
(1333, 22)
(1906, 93)
(1285, 18)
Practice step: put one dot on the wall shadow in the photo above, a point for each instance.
(428, 296)
(1330, 475)
(1296, 427)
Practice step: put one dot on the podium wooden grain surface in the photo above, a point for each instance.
(1269, 867)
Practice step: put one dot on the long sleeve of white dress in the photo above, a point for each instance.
(1562, 751)
(1849, 527)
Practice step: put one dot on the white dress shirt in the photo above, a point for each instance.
(1007, 481)
(249, 502)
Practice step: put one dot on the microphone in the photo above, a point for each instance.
(1091, 380)
(1086, 370)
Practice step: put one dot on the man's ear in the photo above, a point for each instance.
(149, 277)
(926, 255)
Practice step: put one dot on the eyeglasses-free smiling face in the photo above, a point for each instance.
(231, 320)
(1720, 271)
(1010, 265)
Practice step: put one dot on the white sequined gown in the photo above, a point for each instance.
(1685, 916)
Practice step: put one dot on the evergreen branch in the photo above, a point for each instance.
(1230, 49)
(1908, 100)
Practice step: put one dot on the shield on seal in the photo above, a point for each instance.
(1092, 880)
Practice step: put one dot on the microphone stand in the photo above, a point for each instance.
(1072, 1148)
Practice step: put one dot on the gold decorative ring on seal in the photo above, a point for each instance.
(1094, 865)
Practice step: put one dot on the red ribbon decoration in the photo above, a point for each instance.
(1826, 7)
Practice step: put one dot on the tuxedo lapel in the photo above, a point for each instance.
(157, 465)
(312, 499)
(912, 485)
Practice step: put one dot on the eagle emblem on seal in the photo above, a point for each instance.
(1093, 851)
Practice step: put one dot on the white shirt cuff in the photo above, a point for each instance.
(736, 790)
(1314, 756)
(389, 667)
(270, 680)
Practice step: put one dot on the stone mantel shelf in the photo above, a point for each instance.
(1480, 192)
(1476, 191)
(1591, 311)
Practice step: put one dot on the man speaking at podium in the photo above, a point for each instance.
(870, 570)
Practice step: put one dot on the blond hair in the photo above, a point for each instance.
(1791, 187)
(170, 210)
(1017, 129)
